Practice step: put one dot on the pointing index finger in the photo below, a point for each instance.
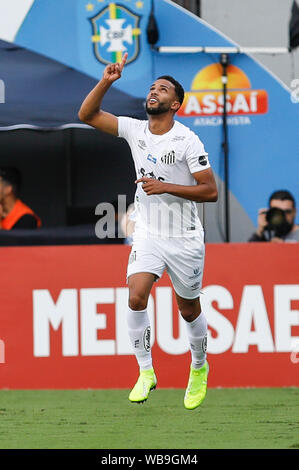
(124, 60)
(144, 179)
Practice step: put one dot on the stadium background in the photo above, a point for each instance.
(48, 293)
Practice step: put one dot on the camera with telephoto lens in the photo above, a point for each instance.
(277, 226)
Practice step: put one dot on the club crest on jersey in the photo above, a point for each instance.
(115, 30)
(168, 158)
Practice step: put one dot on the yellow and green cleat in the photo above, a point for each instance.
(197, 387)
(146, 382)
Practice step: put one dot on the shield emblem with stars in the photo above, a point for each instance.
(115, 30)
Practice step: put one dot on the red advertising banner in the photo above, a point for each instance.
(63, 318)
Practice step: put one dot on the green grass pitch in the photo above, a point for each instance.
(265, 418)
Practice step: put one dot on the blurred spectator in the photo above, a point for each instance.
(277, 223)
(13, 212)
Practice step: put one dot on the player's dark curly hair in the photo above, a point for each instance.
(180, 92)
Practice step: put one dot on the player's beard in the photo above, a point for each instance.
(160, 109)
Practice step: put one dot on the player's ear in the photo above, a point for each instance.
(175, 106)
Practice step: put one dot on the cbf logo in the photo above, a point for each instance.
(115, 31)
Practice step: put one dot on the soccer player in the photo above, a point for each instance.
(173, 172)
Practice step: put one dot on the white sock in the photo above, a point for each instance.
(197, 335)
(139, 332)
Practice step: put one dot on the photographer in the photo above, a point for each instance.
(277, 224)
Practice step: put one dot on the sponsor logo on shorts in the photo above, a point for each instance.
(147, 339)
(195, 286)
(132, 257)
(197, 272)
(202, 160)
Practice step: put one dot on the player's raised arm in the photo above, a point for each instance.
(90, 111)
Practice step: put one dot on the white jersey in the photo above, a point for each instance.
(172, 158)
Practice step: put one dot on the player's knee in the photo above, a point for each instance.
(137, 302)
(188, 316)
(190, 310)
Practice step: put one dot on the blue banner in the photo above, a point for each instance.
(262, 116)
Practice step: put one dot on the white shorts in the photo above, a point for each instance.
(183, 259)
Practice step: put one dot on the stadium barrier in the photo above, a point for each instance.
(63, 318)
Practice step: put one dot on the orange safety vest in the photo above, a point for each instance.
(16, 213)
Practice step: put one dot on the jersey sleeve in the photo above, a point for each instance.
(196, 156)
(125, 127)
